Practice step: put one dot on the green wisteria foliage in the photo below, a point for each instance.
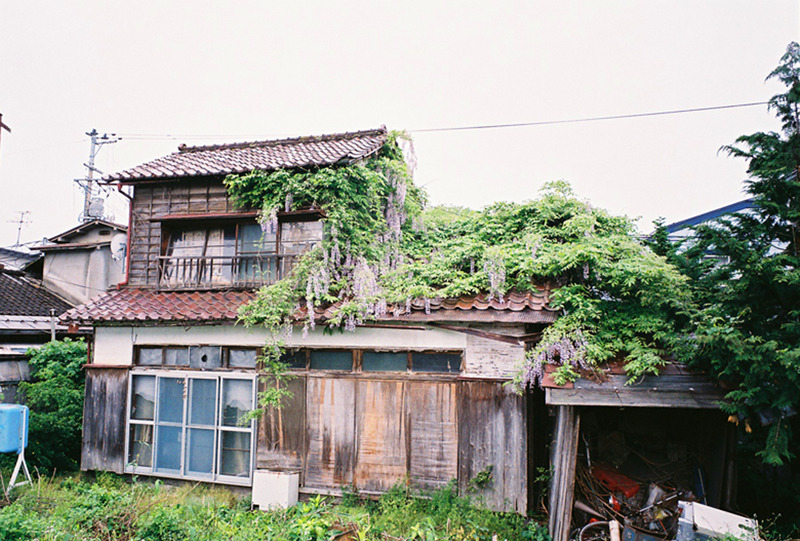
(382, 249)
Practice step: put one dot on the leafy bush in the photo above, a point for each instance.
(55, 397)
(113, 509)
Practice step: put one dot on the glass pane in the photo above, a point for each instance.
(298, 237)
(237, 399)
(221, 242)
(374, 361)
(168, 449)
(187, 243)
(436, 362)
(200, 451)
(205, 357)
(176, 356)
(203, 403)
(294, 358)
(141, 446)
(170, 400)
(143, 397)
(253, 241)
(235, 458)
(242, 358)
(331, 360)
(150, 356)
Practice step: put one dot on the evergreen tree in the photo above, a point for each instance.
(745, 276)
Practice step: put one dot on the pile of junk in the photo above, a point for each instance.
(640, 484)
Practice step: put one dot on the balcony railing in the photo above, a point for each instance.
(219, 272)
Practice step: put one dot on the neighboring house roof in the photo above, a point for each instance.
(71, 246)
(26, 324)
(143, 305)
(23, 296)
(710, 215)
(67, 236)
(17, 259)
(315, 151)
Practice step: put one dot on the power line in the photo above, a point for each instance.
(591, 119)
(156, 136)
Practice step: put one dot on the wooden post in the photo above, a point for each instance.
(563, 455)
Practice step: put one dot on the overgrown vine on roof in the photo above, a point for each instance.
(382, 248)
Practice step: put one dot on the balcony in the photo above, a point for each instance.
(245, 271)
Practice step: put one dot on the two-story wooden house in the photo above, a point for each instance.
(420, 395)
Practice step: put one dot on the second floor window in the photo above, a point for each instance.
(232, 254)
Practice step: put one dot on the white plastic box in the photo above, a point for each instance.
(700, 522)
(275, 488)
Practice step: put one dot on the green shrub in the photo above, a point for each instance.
(55, 397)
(165, 524)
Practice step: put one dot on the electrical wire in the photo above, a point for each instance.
(156, 136)
(592, 119)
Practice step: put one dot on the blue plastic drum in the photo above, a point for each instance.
(13, 418)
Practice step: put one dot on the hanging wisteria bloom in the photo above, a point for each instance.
(495, 269)
(269, 223)
(567, 351)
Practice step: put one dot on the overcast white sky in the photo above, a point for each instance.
(202, 72)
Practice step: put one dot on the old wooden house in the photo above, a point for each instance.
(419, 396)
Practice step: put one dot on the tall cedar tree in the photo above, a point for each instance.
(744, 273)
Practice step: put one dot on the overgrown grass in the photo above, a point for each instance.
(111, 508)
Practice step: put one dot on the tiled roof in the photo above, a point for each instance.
(142, 305)
(516, 307)
(16, 259)
(132, 305)
(319, 150)
(23, 296)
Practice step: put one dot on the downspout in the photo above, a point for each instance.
(128, 240)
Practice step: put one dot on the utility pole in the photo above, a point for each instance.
(88, 183)
(22, 221)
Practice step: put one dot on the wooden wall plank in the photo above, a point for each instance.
(493, 432)
(381, 456)
(431, 412)
(331, 450)
(633, 397)
(564, 452)
(104, 410)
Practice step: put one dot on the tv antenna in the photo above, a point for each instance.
(92, 203)
(20, 222)
(3, 126)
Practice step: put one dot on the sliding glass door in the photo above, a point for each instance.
(190, 425)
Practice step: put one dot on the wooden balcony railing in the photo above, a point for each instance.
(219, 272)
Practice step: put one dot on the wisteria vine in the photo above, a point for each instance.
(383, 249)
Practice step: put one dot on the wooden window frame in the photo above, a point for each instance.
(358, 360)
(224, 357)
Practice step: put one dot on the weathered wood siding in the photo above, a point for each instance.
(372, 432)
(493, 359)
(104, 408)
(432, 413)
(330, 415)
(382, 435)
(187, 197)
(493, 432)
